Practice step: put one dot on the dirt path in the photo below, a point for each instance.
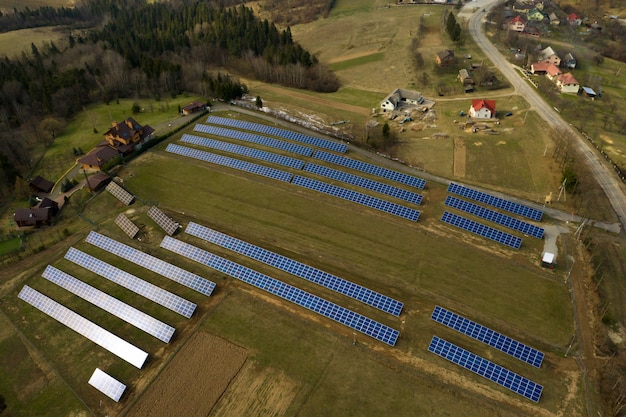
(460, 158)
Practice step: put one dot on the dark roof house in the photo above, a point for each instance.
(193, 107)
(32, 217)
(42, 185)
(445, 57)
(97, 157)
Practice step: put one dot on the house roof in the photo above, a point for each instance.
(488, 104)
(147, 131)
(42, 184)
(446, 53)
(549, 69)
(516, 19)
(546, 53)
(464, 74)
(97, 180)
(569, 57)
(572, 16)
(30, 216)
(48, 203)
(194, 105)
(567, 79)
(589, 91)
(98, 156)
(553, 16)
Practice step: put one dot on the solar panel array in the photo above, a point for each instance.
(489, 337)
(110, 304)
(359, 198)
(107, 385)
(137, 285)
(486, 369)
(370, 169)
(494, 216)
(164, 222)
(497, 202)
(244, 151)
(342, 286)
(482, 230)
(84, 327)
(229, 162)
(126, 225)
(379, 187)
(252, 138)
(307, 300)
(186, 278)
(282, 133)
(121, 194)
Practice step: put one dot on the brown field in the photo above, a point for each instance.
(13, 43)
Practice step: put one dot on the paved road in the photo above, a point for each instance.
(606, 178)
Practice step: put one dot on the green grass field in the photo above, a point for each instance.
(10, 246)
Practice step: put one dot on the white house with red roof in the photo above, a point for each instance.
(567, 83)
(483, 109)
(574, 19)
(517, 24)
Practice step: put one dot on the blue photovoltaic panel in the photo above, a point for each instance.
(307, 300)
(370, 169)
(487, 369)
(282, 133)
(107, 385)
(379, 187)
(131, 282)
(497, 202)
(230, 162)
(253, 138)
(84, 327)
(111, 305)
(342, 286)
(366, 200)
(489, 337)
(482, 230)
(244, 150)
(494, 216)
(186, 278)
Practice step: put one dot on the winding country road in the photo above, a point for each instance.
(606, 178)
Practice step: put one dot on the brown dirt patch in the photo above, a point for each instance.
(460, 158)
(350, 56)
(318, 100)
(267, 392)
(194, 380)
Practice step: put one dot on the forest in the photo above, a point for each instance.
(139, 49)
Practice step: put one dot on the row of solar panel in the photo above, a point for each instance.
(495, 217)
(107, 385)
(282, 133)
(370, 169)
(482, 230)
(167, 224)
(252, 138)
(230, 162)
(342, 286)
(497, 202)
(244, 151)
(112, 305)
(489, 337)
(487, 369)
(121, 194)
(312, 302)
(176, 274)
(366, 200)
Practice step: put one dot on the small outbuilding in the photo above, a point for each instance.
(548, 260)
(193, 107)
(588, 92)
(41, 185)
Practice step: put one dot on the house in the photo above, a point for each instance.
(32, 217)
(128, 135)
(541, 68)
(98, 181)
(51, 205)
(574, 19)
(536, 15)
(97, 157)
(445, 57)
(567, 83)
(569, 61)
(531, 30)
(193, 107)
(483, 109)
(465, 77)
(41, 185)
(554, 20)
(548, 56)
(588, 92)
(517, 24)
(399, 97)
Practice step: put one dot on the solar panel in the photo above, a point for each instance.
(164, 222)
(176, 274)
(244, 151)
(230, 162)
(84, 327)
(497, 202)
(126, 225)
(121, 194)
(487, 369)
(107, 385)
(489, 337)
(482, 230)
(137, 285)
(342, 286)
(370, 169)
(111, 305)
(379, 187)
(355, 197)
(282, 133)
(495, 217)
(252, 138)
(295, 295)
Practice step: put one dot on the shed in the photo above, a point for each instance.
(40, 184)
(548, 260)
(588, 92)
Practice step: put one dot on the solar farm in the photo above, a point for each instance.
(326, 269)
